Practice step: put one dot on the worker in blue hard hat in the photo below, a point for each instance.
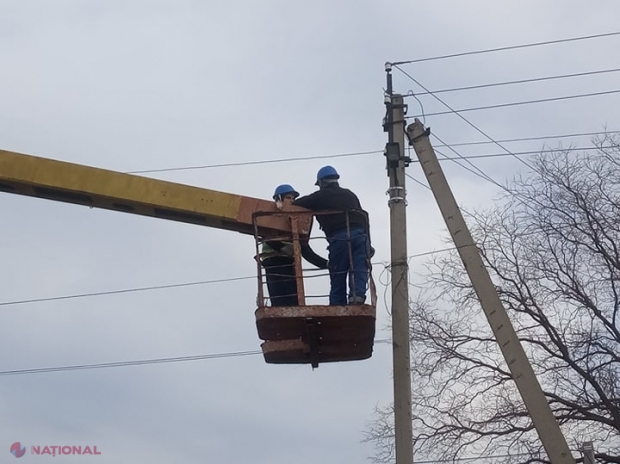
(347, 234)
(276, 257)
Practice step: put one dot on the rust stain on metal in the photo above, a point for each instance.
(342, 333)
(269, 220)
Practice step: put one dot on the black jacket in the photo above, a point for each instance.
(306, 252)
(335, 198)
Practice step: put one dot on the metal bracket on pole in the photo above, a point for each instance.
(413, 139)
(392, 154)
(396, 196)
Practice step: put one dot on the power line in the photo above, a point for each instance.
(418, 182)
(468, 122)
(517, 153)
(528, 139)
(129, 363)
(282, 160)
(480, 173)
(452, 110)
(285, 160)
(525, 102)
(140, 362)
(249, 163)
(520, 81)
(511, 47)
(126, 290)
(156, 287)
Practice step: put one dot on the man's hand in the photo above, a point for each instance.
(287, 249)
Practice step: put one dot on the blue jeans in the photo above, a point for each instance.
(348, 258)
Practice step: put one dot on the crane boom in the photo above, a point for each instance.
(292, 334)
(94, 187)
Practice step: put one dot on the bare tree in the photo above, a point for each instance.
(553, 249)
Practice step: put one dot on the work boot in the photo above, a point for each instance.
(357, 300)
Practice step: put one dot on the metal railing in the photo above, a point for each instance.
(282, 279)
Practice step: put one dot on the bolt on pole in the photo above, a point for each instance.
(394, 124)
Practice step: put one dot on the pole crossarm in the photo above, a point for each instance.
(94, 187)
(522, 373)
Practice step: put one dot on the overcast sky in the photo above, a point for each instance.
(150, 85)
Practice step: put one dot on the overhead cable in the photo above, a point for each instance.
(154, 287)
(466, 121)
(517, 153)
(525, 102)
(287, 160)
(126, 290)
(511, 47)
(129, 363)
(140, 362)
(520, 81)
(249, 163)
(529, 139)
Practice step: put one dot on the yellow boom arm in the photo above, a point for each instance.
(83, 185)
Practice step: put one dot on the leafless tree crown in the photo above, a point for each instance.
(552, 247)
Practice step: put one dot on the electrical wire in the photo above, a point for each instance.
(511, 47)
(519, 153)
(140, 362)
(466, 121)
(520, 81)
(363, 153)
(493, 155)
(529, 139)
(418, 182)
(482, 174)
(126, 290)
(524, 102)
(476, 170)
(129, 363)
(409, 150)
(250, 163)
(158, 287)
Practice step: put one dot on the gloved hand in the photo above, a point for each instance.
(372, 252)
(287, 249)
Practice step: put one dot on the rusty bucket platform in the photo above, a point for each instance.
(316, 334)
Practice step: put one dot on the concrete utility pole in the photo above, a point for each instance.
(588, 453)
(396, 163)
(520, 368)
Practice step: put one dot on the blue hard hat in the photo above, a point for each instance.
(283, 189)
(326, 172)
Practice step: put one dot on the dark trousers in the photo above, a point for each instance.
(281, 283)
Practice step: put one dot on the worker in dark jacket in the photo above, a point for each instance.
(277, 258)
(348, 236)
